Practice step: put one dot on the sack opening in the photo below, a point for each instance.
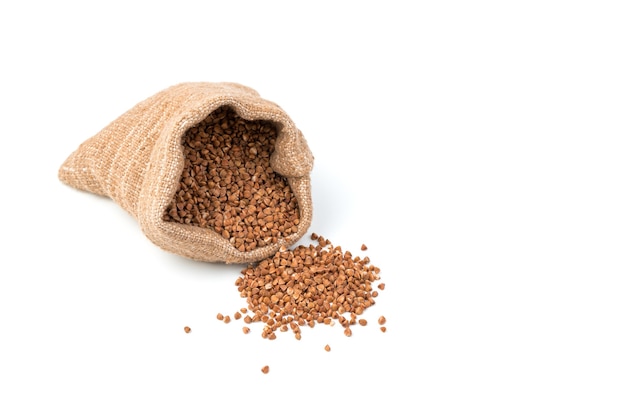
(228, 185)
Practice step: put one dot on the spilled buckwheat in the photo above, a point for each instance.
(308, 285)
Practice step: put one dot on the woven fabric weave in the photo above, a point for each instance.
(137, 161)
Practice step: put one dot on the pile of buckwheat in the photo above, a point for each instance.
(309, 285)
(228, 185)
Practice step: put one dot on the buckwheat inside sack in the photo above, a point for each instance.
(211, 171)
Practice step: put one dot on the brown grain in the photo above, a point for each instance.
(306, 286)
(228, 185)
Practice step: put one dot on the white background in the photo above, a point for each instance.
(477, 148)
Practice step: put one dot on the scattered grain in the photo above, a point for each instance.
(306, 286)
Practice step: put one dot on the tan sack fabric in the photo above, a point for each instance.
(137, 161)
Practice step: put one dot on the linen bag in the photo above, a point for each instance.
(138, 158)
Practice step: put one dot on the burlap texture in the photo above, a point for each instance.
(137, 161)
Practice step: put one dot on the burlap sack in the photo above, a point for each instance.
(137, 161)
